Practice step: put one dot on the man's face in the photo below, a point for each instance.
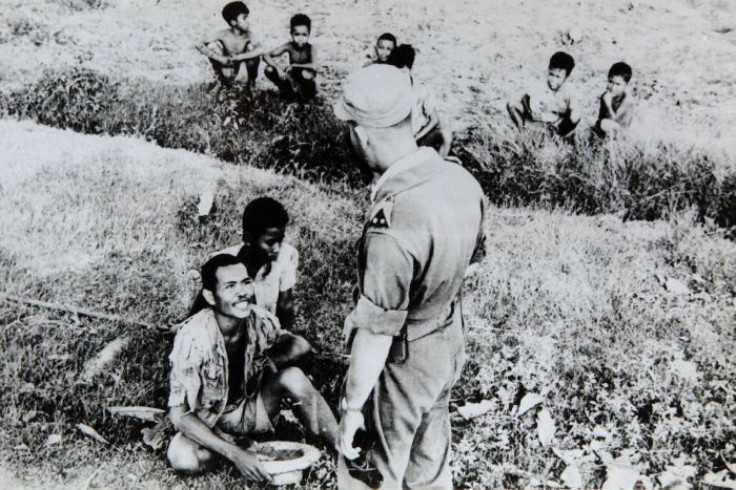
(556, 77)
(234, 292)
(241, 22)
(383, 49)
(300, 35)
(616, 85)
(269, 243)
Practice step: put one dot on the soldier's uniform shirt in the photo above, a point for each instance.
(199, 371)
(422, 231)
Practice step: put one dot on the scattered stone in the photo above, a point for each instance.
(205, 205)
(90, 432)
(473, 410)
(53, 439)
(97, 364)
(676, 287)
(685, 369)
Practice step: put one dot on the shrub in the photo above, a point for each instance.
(635, 179)
(258, 130)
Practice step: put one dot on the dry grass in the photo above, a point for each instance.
(565, 306)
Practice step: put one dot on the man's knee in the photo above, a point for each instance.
(183, 455)
(293, 382)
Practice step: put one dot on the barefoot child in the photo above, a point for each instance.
(425, 122)
(222, 47)
(617, 102)
(550, 103)
(385, 44)
(297, 79)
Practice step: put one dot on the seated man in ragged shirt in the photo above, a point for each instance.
(228, 376)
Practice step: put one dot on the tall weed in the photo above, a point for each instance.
(638, 180)
(635, 179)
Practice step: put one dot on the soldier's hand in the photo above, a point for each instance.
(351, 421)
(248, 464)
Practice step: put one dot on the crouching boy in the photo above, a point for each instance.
(226, 49)
(229, 376)
(617, 103)
(297, 79)
(551, 103)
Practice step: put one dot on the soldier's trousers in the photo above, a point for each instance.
(408, 414)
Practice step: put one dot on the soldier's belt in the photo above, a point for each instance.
(416, 329)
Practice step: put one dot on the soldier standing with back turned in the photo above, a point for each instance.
(406, 332)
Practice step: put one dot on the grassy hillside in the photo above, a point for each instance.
(591, 314)
(475, 54)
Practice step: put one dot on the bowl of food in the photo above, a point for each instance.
(285, 461)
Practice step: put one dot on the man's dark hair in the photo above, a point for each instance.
(562, 61)
(209, 269)
(301, 20)
(387, 36)
(232, 10)
(622, 70)
(402, 56)
(263, 213)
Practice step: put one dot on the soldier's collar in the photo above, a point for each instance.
(397, 177)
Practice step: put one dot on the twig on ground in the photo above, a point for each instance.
(81, 311)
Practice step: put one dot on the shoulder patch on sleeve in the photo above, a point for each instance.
(381, 214)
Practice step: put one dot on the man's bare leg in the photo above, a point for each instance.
(309, 407)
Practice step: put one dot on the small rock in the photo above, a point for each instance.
(206, 201)
(53, 439)
(676, 287)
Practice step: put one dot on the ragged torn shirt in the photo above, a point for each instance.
(199, 366)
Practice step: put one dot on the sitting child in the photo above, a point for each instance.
(270, 262)
(617, 102)
(385, 44)
(223, 46)
(425, 122)
(298, 78)
(551, 103)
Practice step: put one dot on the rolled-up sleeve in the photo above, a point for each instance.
(387, 270)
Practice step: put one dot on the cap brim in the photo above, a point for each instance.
(401, 111)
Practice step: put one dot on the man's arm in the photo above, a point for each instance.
(192, 427)
(367, 359)
(285, 308)
(378, 317)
